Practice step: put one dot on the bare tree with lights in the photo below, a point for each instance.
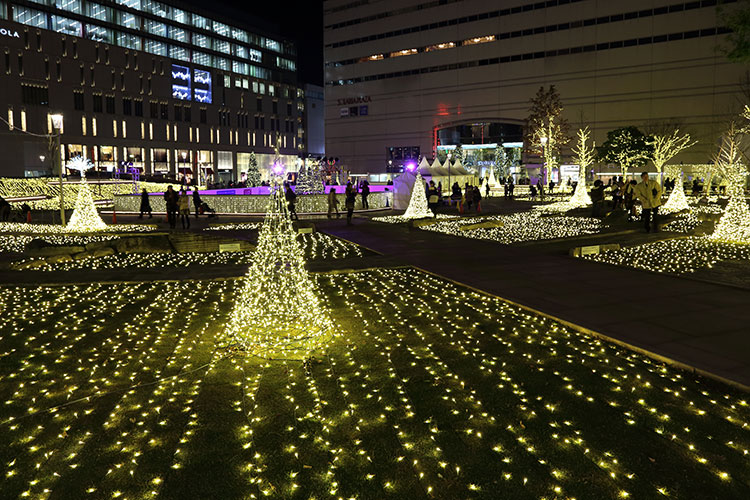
(546, 129)
(667, 146)
(583, 154)
(734, 225)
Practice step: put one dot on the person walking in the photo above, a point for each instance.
(170, 199)
(468, 197)
(487, 189)
(351, 198)
(184, 207)
(597, 198)
(291, 199)
(197, 201)
(511, 186)
(365, 194)
(649, 193)
(629, 197)
(432, 198)
(478, 198)
(145, 204)
(333, 203)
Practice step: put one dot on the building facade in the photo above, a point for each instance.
(315, 120)
(405, 78)
(144, 85)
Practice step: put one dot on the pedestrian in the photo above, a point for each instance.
(365, 194)
(477, 198)
(197, 201)
(532, 192)
(5, 209)
(629, 196)
(511, 186)
(333, 203)
(432, 198)
(597, 198)
(468, 196)
(184, 207)
(440, 188)
(618, 188)
(291, 200)
(487, 189)
(551, 186)
(170, 199)
(145, 204)
(351, 197)
(649, 193)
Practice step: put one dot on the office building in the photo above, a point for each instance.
(405, 78)
(144, 85)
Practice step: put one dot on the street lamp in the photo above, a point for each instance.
(57, 127)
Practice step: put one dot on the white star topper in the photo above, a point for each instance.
(80, 164)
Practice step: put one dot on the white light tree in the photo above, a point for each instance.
(418, 208)
(677, 202)
(85, 218)
(278, 314)
(667, 146)
(583, 154)
(734, 225)
(253, 173)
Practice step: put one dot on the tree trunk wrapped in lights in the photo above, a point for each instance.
(584, 156)
(418, 208)
(677, 202)
(734, 225)
(278, 314)
(85, 217)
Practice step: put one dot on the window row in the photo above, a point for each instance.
(706, 32)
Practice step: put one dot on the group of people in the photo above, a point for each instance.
(625, 194)
(350, 199)
(177, 204)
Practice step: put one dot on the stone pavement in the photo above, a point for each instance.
(699, 325)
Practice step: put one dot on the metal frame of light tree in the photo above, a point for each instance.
(734, 225)
(85, 217)
(667, 147)
(418, 208)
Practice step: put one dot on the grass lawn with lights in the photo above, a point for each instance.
(429, 391)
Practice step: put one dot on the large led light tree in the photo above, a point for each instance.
(253, 173)
(677, 202)
(584, 156)
(418, 208)
(734, 225)
(85, 218)
(667, 146)
(278, 314)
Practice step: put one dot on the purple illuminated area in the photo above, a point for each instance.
(411, 166)
(278, 168)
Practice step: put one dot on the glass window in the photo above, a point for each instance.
(221, 63)
(127, 20)
(240, 67)
(201, 41)
(239, 35)
(221, 28)
(67, 26)
(179, 16)
(200, 22)
(285, 64)
(156, 48)
(129, 41)
(156, 28)
(239, 51)
(30, 17)
(133, 4)
(255, 87)
(202, 58)
(69, 5)
(180, 53)
(156, 8)
(178, 34)
(261, 73)
(100, 12)
(255, 55)
(221, 46)
(3, 13)
(99, 33)
(272, 45)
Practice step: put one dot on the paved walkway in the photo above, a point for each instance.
(700, 324)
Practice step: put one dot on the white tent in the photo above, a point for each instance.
(402, 186)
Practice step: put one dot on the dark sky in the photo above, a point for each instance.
(301, 21)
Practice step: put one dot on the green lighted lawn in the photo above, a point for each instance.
(431, 391)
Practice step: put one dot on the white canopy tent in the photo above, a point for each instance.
(447, 174)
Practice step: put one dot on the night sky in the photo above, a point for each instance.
(301, 21)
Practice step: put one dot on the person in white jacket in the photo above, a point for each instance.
(649, 192)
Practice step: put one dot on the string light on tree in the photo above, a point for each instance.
(418, 208)
(584, 156)
(677, 201)
(667, 146)
(278, 313)
(85, 217)
(734, 225)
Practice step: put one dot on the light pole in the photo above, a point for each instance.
(57, 127)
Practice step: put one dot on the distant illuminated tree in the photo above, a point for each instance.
(500, 162)
(667, 146)
(734, 225)
(458, 154)
(627, 147)
(253, 173)
(677, 201)
(85, 218)
(546, 129)
(583, 155)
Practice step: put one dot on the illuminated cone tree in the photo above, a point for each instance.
(278, 314)
(734, 225)
(85, 217)
(677, 202)
(418, 208)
